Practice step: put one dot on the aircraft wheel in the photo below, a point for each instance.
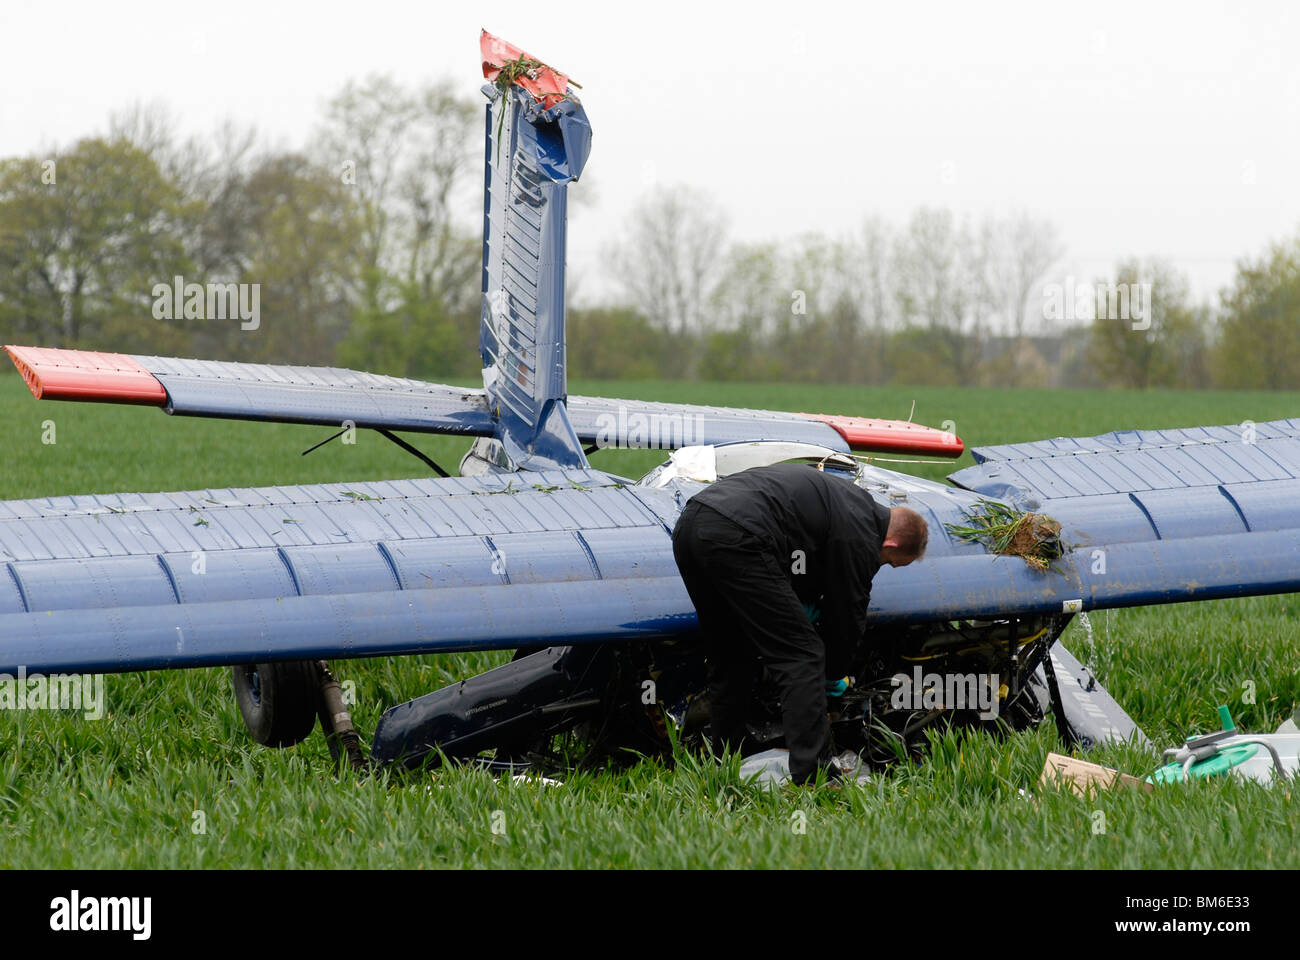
(278, 701)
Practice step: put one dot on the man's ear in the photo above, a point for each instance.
(891, 542)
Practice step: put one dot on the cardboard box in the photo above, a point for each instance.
(1083, 777)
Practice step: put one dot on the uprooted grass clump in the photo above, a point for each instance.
(521, 68)
(1034, 538)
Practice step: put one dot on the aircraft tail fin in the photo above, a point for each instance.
(537, 140)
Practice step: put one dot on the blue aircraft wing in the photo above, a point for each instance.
(139, 581)
(1155, 516)
(146, 581)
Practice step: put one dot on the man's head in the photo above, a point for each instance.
(906, 538)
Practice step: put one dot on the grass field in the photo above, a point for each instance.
(172, 755)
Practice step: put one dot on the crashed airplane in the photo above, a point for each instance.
(531, 549)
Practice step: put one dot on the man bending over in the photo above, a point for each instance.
(753, 549)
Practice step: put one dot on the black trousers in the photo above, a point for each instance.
(749, 613)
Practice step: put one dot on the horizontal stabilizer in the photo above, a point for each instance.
(322, 395)
(667, 426)
(255, 391)
(329, 396)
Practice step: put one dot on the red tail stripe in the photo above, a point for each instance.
(892, 436)
(54, 374)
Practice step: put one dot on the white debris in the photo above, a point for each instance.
(771, 768)
(544, 781)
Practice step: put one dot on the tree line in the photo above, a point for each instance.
(364, 245)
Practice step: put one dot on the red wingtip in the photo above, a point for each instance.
(545, 84)
(53, 374)
(892, 436)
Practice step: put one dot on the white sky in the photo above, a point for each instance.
(1168, 129)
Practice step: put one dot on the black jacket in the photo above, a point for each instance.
(825, 530)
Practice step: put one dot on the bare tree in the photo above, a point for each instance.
(212, 174)
(442, 260)
(405, 153)
(873, 275)
(668, 262)
(931, 266)
(363, 138)
(1153, 335)
(982, 259)
(751, 293)
(149, 126)
(1032, 248)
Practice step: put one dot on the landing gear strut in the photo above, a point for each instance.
(280, 703)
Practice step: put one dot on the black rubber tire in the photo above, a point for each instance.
(278, 701)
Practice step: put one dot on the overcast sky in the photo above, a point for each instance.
(1167, 129)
